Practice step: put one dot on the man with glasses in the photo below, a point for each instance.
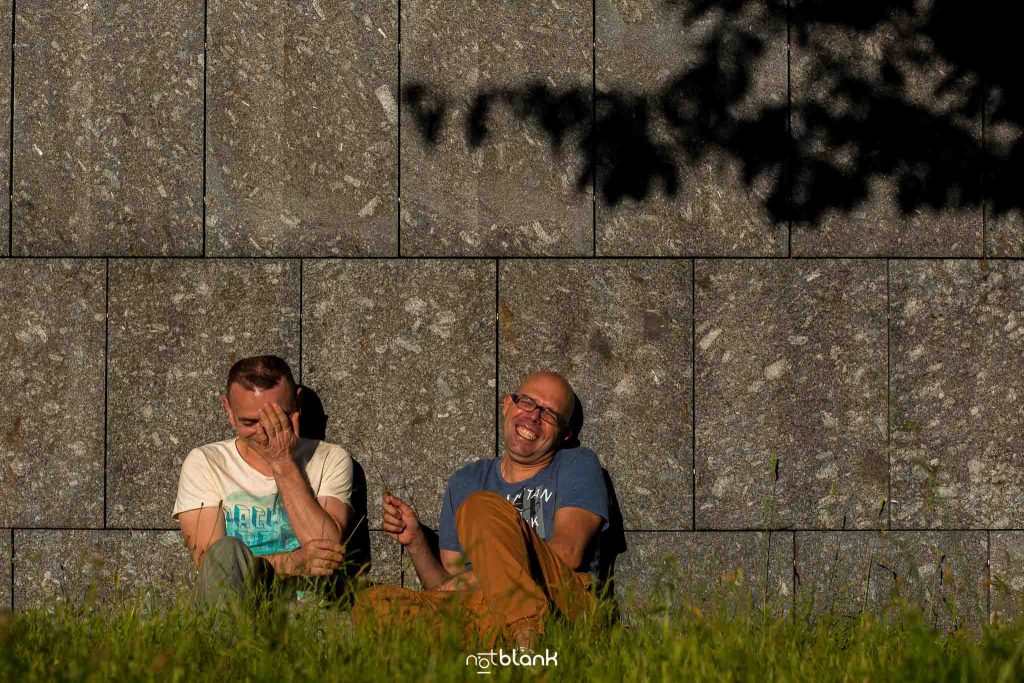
(518, 533)
(265, 503)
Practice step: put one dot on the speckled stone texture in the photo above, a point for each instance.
(706, 567)
(957, 429)
(522, 188)
(619, 331)
(896, 124)
(790, 394)
(5, 125)
(5, 570)
(387, 562)
(109, 124)
(1007, 567)
(943, 572)
(303, 128)
(176, 327)
(51, 426)
(648, 52)
(95, 568)
(1004, 225)
(402, 356)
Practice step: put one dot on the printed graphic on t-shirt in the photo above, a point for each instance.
(259, 522)
(530, 503)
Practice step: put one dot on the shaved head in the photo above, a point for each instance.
(550, 377)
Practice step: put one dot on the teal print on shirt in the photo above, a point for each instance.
(260, 523)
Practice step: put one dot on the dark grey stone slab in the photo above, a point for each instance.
(957, 429)
(402, 355)
(303, 128)
(108, 123)
(7, 567)
(619, 331)
(94, 568)
(515, 191)
(1004, 225)
(1007, 567)
(790, 391)
(845, 572)
(387, 560)
(51, 427)
(730, 569)
(650, 53)
(175, 329)
(5, 126)
(887, 136)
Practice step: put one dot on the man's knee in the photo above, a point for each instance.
(484, 507)
(483, 504)
(226, 549)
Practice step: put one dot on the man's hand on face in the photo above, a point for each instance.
(400, 521)
(277, 437)
(319, 557)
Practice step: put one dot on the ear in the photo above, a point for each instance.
(298, 397)
(505, 403)
(227, 410)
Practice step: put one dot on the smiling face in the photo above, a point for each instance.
(528, 439)
(243, 405)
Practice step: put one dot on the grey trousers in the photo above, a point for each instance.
(229, 571)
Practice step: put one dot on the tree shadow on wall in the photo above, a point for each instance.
(890, 90)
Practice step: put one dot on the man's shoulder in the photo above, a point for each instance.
(321, 448)
(580, 455)
(209, 453)
(472, 472)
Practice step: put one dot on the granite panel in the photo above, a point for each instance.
(303, 128)
(1006, 590)
(679, 178)
(108, 123)
(402, 356)
(387, 561)
(51, 449)
(619, 331)
(727, 569)
(790, 394)
(942, 572)
(176, 327)
(887, 135)
(957, 429)
(6, 573)
(497, 107)
(1004, 142)
(94, 568)
(6, 7)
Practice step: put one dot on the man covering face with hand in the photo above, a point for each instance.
(265, 503)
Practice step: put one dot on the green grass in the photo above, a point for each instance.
(725, 638)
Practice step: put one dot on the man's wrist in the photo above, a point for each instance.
(283, 467)
(418, 545)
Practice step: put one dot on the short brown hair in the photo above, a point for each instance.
(259, 372)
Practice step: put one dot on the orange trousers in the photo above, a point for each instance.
(519, 579)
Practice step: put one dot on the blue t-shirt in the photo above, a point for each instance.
(573, 479)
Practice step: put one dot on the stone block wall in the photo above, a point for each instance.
(775, 247)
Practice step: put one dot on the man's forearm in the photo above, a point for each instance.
(307, 518)
(428, 566)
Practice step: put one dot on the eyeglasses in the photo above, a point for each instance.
(528, 405)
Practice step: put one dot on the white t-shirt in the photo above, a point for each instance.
(215, 475)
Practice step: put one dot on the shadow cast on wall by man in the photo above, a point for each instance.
(910, 112)
(313, 425)
(612, 541)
